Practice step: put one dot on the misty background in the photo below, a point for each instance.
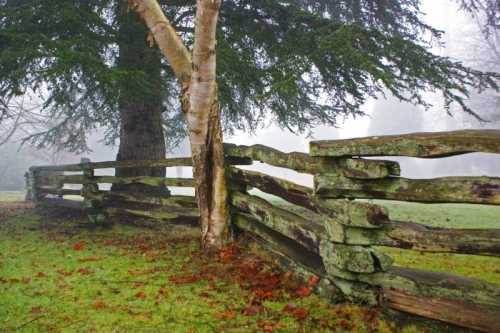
(464, 42)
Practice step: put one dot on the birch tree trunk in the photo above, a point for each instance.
(196, 75)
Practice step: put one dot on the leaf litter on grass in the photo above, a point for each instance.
(57, 275)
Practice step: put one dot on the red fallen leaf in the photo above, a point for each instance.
(230, 250)
(13, 280)
(187, 278)
(288, 275)
(60, 271)
(89, 259)
(204, 294)
(36, 309)
(79, 246)
(313, 280)
(264, 294)
(162, 291)
(107, 242)
(84, 270)
(303, 291)
(2, 279)
(25, 279)
(144, 246)
(228, 315)
(133, 273)
(280, 324)
(267, 327)
(290, 307)
(253, 310)
(99, 304)
(301, 314)
(140, 295)
(452, 281)
(156, 303)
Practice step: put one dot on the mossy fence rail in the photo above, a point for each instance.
(324, 231)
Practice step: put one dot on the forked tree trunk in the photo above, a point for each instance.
(196, 75)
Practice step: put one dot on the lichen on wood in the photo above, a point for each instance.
(481, 190)
(297, 161)
(354, 213)
(413, 236)
(415, 144)
(353, 258)
(368, 169)
(306, 233)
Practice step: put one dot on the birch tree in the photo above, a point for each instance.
(196, 75)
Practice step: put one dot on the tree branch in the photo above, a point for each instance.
(167, 39)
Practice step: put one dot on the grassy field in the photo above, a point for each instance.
(60, 274)
(457, 216)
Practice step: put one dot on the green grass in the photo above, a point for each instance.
(454, 216)
(459, 216)
(12, 195)
(60, 274)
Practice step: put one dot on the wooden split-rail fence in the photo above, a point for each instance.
(324, 231)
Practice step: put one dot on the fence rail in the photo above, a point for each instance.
(324, 231)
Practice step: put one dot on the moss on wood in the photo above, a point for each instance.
(482, 190)
(415, 144)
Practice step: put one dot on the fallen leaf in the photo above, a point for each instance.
(99, 304)
(290, 307)
(267, 327)
(264, 293)
(133, 273)
(303, 291)
(60, 271)
(313, 280)
(228, 315)
(140, 295)
(79, 246)
(41, 274)
(253, 310)
(144, 246)
(25, 279)
(300, 313)
(107, 242)
(162, 291)
(84, 270)
(36, 309)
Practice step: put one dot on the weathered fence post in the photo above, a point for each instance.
(30, 188)
(90, 192)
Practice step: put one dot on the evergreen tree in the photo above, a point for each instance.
(275, 60)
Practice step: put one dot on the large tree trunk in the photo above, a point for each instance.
(205, 134)
(141, 132)
(196, 75)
